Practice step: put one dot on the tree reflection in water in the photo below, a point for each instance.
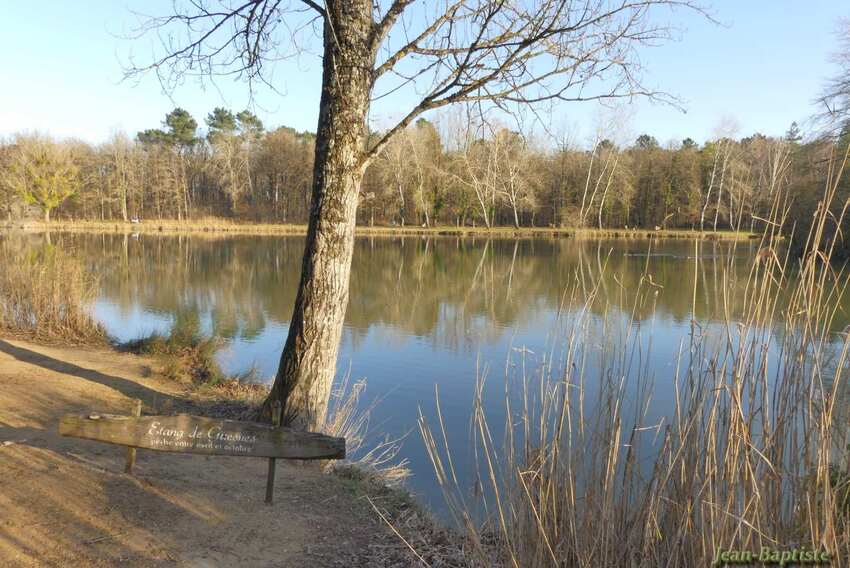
(424, 311)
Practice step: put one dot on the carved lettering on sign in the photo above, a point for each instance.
(195, 434)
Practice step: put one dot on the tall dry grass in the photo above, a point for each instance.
(215, 227)
(45, 294)
(753, 454)
(369, 456)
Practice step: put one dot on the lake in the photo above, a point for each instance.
(430, 314)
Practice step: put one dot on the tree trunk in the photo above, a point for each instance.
(720, 188)
(708, 193)
(124, 205)
(46, 214)
(587, 182)
(401, 207)
(308, 363)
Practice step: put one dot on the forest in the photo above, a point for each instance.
(435, 173)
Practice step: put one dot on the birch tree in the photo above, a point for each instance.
(121, 169)
(512, 170)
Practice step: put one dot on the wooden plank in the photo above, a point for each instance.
(200, 435)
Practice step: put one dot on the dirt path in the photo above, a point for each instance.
(67, 502)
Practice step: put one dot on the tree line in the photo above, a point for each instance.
(430, 174)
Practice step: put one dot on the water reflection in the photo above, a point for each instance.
(455, 293)
(426, 312)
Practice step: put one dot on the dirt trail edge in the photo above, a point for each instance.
(67, 502)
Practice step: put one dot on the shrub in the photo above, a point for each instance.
(186, 354)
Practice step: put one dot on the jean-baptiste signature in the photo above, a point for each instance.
(771, 556)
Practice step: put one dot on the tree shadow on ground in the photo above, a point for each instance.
(131, 389)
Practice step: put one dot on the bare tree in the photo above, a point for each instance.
(492, 53)
(512, 169)
(768, 173)
(611, 174)
(230, 163)
(395, 158)
(425, 151)
(835, 97)
(119, 170)
(722, 151)
(477, 171)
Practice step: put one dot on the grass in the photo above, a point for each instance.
(186, 354)
(45, 293)
(216, 225)
(753, 454)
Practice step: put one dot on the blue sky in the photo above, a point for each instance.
(62, 70)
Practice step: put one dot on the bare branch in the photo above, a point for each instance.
(316, 7)
(529, 53)
(492, 53)
(835, 97)
(205, 39)
(383, 27)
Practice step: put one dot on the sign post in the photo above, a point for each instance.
(131, 452)
(276, 410)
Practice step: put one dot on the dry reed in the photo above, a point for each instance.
(752, 455)
(45, 295)
(371, 457)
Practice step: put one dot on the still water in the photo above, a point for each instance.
(425, 314)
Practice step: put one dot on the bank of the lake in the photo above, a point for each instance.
(213, 225)
(67, 502)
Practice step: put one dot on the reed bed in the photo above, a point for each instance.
(212, 225)
(216, 226)
(45, 295)
(586, 472)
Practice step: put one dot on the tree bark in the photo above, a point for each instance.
(46, 214)
(308, 362)
(124, 204)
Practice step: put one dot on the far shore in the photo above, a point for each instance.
(217, 225)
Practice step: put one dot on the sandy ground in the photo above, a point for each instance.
(66, 502)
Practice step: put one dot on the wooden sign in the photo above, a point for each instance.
(199, 435)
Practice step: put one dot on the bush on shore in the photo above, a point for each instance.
(187, 355)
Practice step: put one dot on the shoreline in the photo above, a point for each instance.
(175, 504)
(224, 226)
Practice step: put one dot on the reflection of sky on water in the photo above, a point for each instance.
(125, 324)
(426, 314)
